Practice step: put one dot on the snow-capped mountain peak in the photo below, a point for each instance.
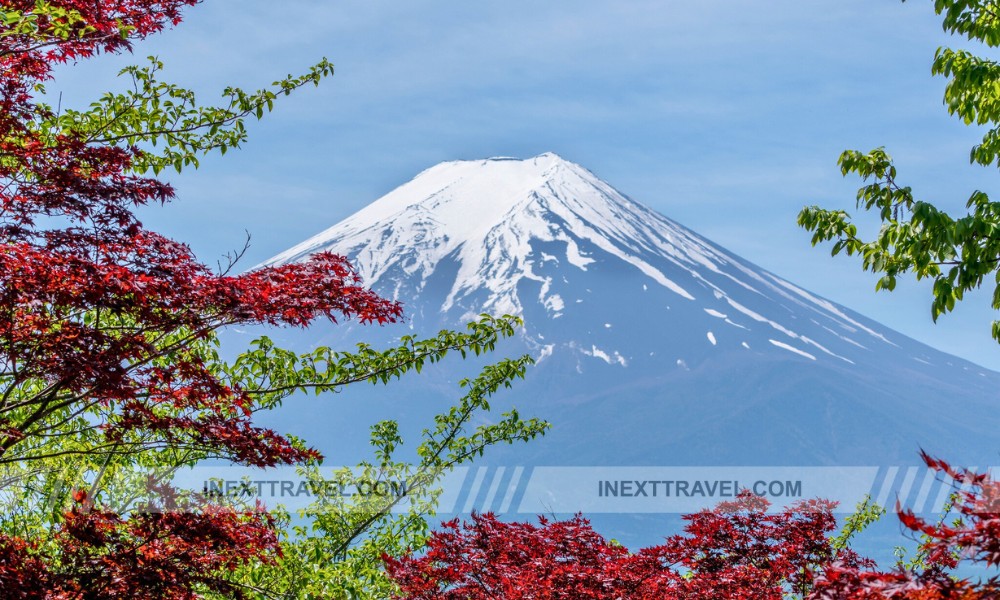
(486, 211)
(644, 331)
(449, 206)
(545, 238)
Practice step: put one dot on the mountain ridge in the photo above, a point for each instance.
(646, 335)
(487, 230)
(731, 366)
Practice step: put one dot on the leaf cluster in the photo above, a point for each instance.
(957, 253)
(110, 377)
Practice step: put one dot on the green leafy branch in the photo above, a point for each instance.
(166, 122)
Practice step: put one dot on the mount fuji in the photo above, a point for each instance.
(653, 345)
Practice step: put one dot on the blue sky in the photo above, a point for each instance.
(727, 116)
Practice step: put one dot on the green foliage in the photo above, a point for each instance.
(865, 513)
(166, 121)
(336, 550)
(44, 22)
(332, 548)
(956, 253)
(975, 19)
(60, 453)
(278, 373)
(971, 93)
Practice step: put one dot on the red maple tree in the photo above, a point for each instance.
(87, 294)
(166, 551)
(738, 550)
(973, 539)
(97, 315)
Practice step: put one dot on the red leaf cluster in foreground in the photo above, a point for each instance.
(99, 318)
(164, 552)
(736, 551)
(89, 298)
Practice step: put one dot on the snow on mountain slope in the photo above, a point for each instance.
(545, 238)
(653, 345)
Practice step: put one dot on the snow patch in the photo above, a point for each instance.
(784, 346)
(846, 339)
(545, 353)
(711, 337)
(756, 317)
(715, 313)
(608, 358)
(554, 303)
(828, 306)
(574, 256)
